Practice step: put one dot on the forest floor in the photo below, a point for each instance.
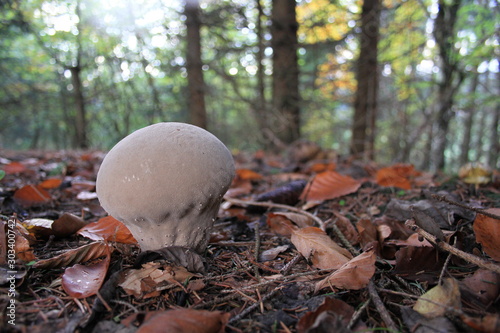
(305, 243)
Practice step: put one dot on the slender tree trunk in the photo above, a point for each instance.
(81, 117)
(468, 121)
(365, 105)
(196, 83)
(494, 152)
(286, 97)
(444, 33)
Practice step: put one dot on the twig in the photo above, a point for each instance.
(459, 204)
(257, 248)
(358, 314)
(285, 270)
(255, 305)
(386, 317)
(342, 238)
(316, 219)
(453, 250)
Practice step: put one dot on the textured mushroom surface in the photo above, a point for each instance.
(165, 182)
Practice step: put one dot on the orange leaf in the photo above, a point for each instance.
(329, 185)
(67, 224)
(280, 224)
(354, 274)
(82, 281)
(14, 167)
(487, 232)
(186, 321)
(109, 229)
(315, 244)
(397, 176)
(247, 174)
(51, 183)
(31, 195)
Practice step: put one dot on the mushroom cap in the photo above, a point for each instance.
(165, 182)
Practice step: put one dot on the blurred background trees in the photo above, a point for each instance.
(85, 73)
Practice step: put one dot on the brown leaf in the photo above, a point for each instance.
(30, 195)
(280, 224)
(487, 232)
(144, 282)
(186, 321)
(247, 174)
(14, 167)
(353, 275)
(329, 185)
(483, 285)
(67, 225)
(331, 316)
(398, 175)
(490, 323)
(75, 256)
(301, 220)
(314, 244)
(82, 281)
(51, 183)
(109, 229)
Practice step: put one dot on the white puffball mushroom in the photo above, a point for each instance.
(165, 182)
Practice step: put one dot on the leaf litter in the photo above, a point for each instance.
(332, 246)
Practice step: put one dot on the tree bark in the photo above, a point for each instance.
(76, 80)
(468, 121)
(196, 83)
(444, 33)
(365, 105)
(286, 97)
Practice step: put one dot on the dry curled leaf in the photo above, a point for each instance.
(353, 275)
(436, 301)
(31, 195)
(314, 244)
(487, 231)
(75, 256)
(186, 321)
(109, 229)
(329, 185)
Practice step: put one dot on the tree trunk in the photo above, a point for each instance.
(468, 121)
(76, 80)
(494, 152)
(444, 33)
(365, 105)
(196, 84)
(286, 95)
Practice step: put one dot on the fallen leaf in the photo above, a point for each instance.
(67, 225)
(280, 224)
(333, 315)
(51, 183)
(314, 244)
(346, 228)
(14, 167)
(82, 281)
(271, 254)
(109, 229)
(490, 323)
(31, 195)
(75, 256)
(247, 174)
(144, 282)
(436, 301)
(483, 285)
(487, 231)
(398, 175)
(329, 185)
(186, 321)
(353, 275)
(301, 220)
